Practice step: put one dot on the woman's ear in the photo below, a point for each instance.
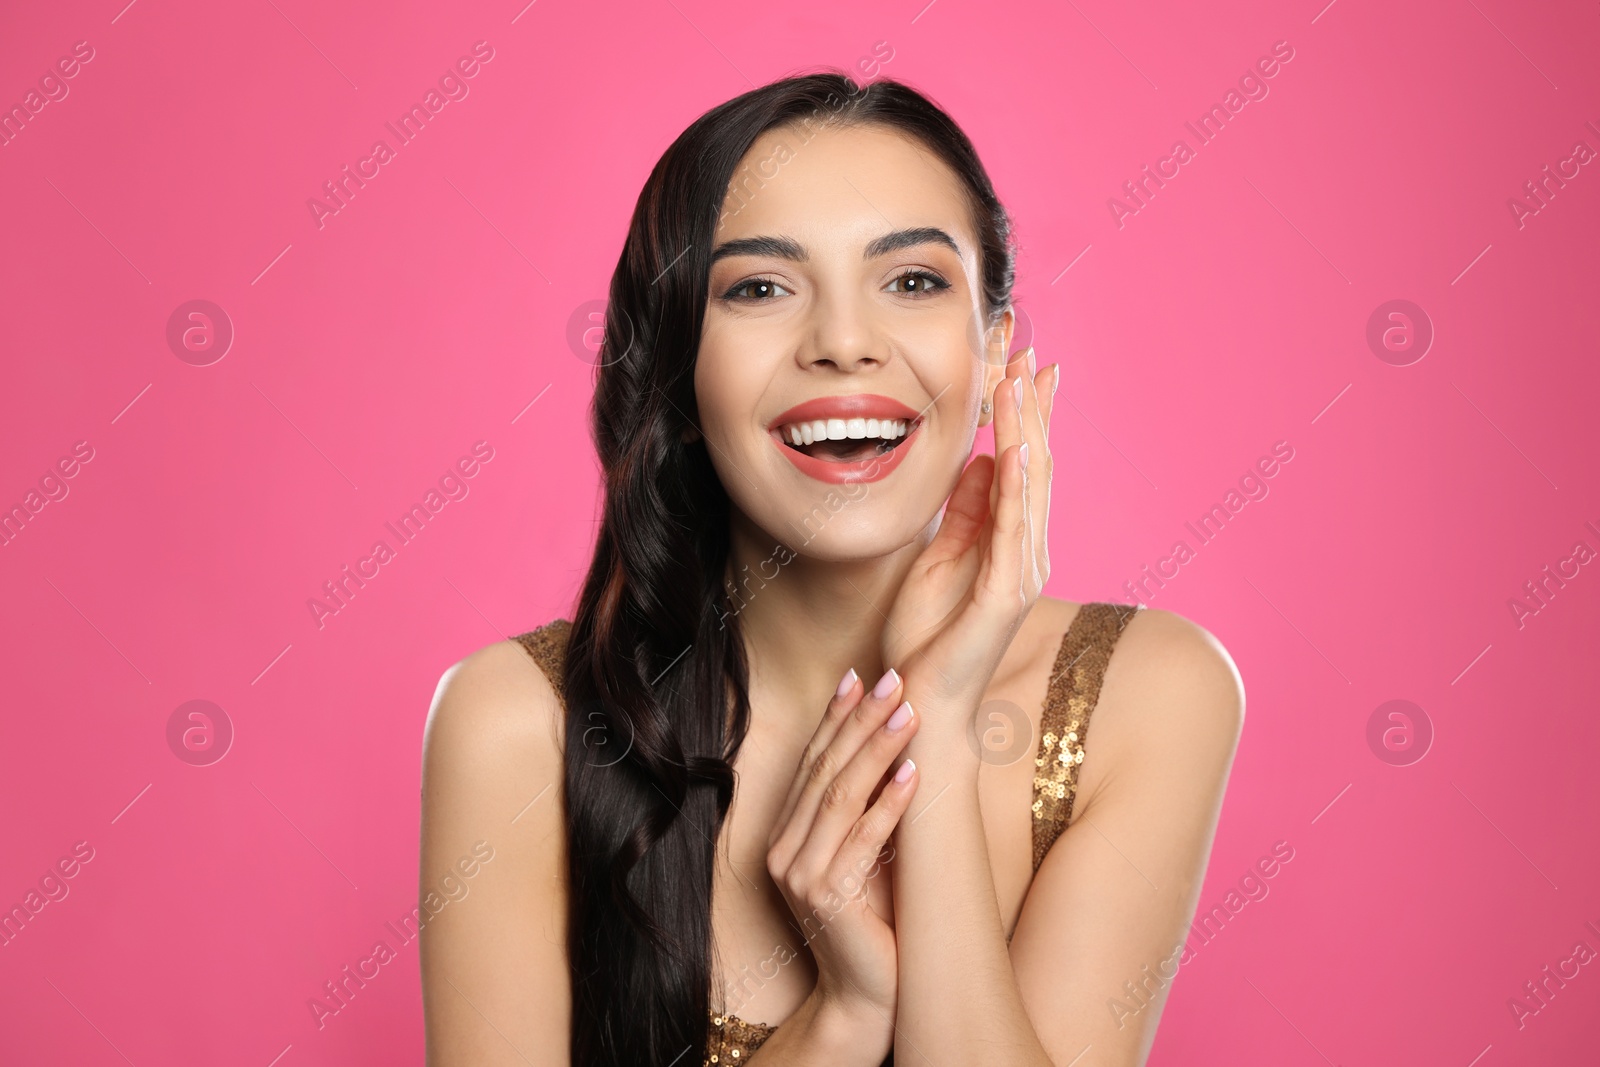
(996, 349)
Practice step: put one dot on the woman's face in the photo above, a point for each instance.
(843, 359)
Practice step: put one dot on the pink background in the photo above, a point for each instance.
(1229, 313)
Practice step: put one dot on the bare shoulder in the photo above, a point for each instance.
(495, 698)
(1166, 667)
(494, 929)
(1171, 698)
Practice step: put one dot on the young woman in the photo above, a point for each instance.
(806, 779)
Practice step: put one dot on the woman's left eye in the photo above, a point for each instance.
(927, 282)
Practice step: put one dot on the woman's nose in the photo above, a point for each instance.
(842, 335)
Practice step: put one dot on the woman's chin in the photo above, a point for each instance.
(857, 532)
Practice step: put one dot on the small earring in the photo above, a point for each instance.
(988, 406)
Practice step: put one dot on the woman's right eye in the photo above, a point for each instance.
(766, 286)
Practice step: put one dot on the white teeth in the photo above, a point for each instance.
(805, 433)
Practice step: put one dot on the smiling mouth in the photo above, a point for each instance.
(846, 440)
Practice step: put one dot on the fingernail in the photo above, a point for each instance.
(1016, 390)
(845, 683)
(1055, 378)
(1032, 366)
(886, 684)
(905, 771)
(901, 716)
(1022, 454)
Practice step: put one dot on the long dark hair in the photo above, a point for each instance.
(655, 665)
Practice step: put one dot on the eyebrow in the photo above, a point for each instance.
(789, 248)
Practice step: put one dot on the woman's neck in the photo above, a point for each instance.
(806, 621)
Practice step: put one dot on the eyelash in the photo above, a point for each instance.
(937, 284)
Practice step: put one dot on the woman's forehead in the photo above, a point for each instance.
(839, 188)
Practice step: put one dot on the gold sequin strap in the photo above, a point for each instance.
(1074, 689)
(731, 1040)
(548, 647)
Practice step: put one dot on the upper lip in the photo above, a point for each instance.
(849, 406)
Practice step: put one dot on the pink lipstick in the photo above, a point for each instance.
(858, 437)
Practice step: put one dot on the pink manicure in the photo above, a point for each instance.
(846, 683)
(1022, 454)
(1016, 390)
(904, 773)
(886, 684)
(901, 716)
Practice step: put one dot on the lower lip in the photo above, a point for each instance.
(871, 469)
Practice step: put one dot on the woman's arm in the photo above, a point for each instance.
(1110, 903)
(494, 961)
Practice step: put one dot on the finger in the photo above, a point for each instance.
(1036, 419)
(1008, 397)
(845, 699)
(821, 765)
(1041, 475)
(863, 845)
(1035, 386)
(1034, 429)
(1038, 390)
(965, 513)
(844, 801)
(1025, 436)
(1038, 449)
(1050, 382)
(1002, 580)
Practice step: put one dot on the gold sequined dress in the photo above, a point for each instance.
(1070, 699)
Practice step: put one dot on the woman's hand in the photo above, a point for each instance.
(825, 849)
(970, 589)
